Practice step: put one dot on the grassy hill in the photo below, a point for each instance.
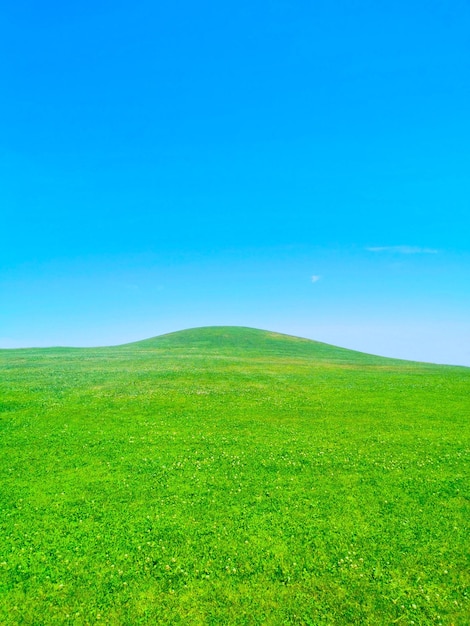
(232, 476)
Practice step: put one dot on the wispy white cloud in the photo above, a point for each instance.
(403, 249)
(315, 278)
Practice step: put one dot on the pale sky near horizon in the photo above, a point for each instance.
(294, 166)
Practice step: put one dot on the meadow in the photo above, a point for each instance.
(232, 476)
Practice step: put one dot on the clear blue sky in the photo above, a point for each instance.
(297, 166)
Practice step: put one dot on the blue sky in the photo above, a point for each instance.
(297, 166)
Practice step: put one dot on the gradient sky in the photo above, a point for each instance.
(297, 166)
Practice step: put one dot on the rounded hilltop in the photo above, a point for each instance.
(241, 340)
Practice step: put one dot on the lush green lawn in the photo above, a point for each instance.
(232, 476)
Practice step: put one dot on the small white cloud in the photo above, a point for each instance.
(403, 249)
(315, 278)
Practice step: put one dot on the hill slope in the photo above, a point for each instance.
(229, 475)
(252, 342)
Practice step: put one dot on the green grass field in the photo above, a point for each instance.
(232, 476)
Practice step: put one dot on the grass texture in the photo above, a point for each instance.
(229, 475)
